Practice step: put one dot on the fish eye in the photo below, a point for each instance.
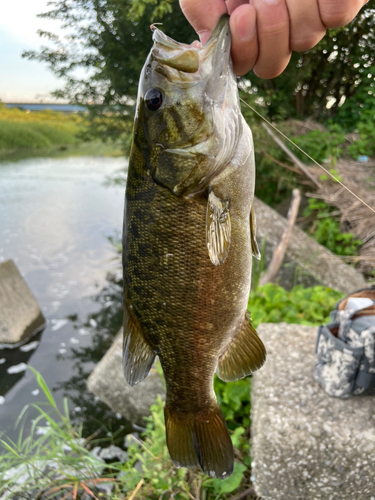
(153, 99)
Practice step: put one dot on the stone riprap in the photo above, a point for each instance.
(20, 315)
(307, 445)
(108, 383)
(306, 261)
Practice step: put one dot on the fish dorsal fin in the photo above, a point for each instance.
(218, 229)
(137, 357)
(245, 354)
(253, 235)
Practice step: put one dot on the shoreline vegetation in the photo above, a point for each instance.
(25, 134)
(64, 460)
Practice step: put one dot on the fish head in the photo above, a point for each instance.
(188, 111)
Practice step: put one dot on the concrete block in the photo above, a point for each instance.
(306, 261)
(20, 315)
(107, 382)
(307, 445)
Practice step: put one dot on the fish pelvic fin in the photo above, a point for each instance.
(245, 354)
(253, 235)
(218, 229)
(200, 440)
(137, 355)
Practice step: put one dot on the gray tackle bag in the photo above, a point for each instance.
(345, 347)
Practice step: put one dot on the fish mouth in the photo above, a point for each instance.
(191, 59)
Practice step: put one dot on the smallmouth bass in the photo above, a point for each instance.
(189, 235)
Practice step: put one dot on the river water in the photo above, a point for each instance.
(56, 218)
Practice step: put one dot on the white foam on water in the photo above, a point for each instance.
(17, 368)
(58, 323)
(29, 347)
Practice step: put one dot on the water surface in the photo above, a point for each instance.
(56, 216)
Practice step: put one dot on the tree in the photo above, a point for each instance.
(110, 39)
(332, 72)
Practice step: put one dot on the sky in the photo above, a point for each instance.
(22, 80)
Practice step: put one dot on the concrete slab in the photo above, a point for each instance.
(107, 382)
(20, 315)
(307, 445)
(306, 261)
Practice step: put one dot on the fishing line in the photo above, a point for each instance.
(308, 156)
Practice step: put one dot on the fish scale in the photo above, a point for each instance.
(184, 300)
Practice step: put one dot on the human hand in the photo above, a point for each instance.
(264, 32)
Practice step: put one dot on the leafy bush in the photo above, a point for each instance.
(321, 146)
(365, 145)
(306, 306)
(326, 230)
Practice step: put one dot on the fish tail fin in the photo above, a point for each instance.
(200, 440)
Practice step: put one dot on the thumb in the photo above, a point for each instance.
(203, 15)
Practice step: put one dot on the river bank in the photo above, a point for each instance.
(47, 134)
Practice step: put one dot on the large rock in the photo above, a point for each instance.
(20, 315)
(107, 382)
(307, 445)
(306, 261)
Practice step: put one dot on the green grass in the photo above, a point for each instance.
(21, 130)
(48, 133)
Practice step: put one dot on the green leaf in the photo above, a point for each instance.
(231, 483)
(42, 384)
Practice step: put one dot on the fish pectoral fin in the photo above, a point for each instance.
(253, 235)
(137, 356)
(200, 439)
(245, 354)
(218, 229)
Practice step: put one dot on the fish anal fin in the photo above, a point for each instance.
(253, 235)
(218, 229)
(137, 357)
(200, 440)
(245, 354)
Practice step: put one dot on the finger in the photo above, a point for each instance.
(337, 13)
(244, 38)
(306, 27)
(273, 37)
(233, 4)
(203, 16)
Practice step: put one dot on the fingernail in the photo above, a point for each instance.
(204, 35)
(245, 30)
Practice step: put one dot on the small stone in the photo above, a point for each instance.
(113, 452)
